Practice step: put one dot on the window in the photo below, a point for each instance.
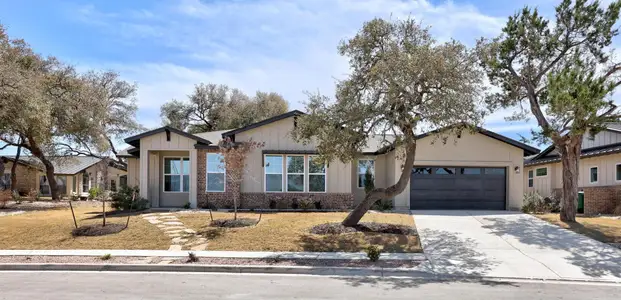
(176, 174)
(6, 181)
(494, 171)
(445, 171)
(316, 175)
(422, 171)
(123, 181)
(273, 173)
(215, 172)
(86, 183)
(470, 171)
(540, 172)
(618, 172)
(112, 185)
(295, 173)
(593, 174)
(530, 178)
(363, 166)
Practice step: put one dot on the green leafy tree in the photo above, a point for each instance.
(218, 107)
(562, 72)
(400, 79)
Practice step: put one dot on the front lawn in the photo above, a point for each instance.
(290, 232)
(51, 229)
(603, 229)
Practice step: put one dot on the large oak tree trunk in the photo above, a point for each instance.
(14, 169)
(49, 167)
(570, 158)
(384, 193)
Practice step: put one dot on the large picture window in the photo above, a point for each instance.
(176, 174)
(316, 175)
(295, 173)
(215, 172)
(363, 166)
(273, 173)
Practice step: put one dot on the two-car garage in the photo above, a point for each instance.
(447, 187)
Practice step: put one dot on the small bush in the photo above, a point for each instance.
(123, 199)
(107, 256)
(97, 229)
(617, 210)
(75, 196)
(230, 223)
(317, 204)
(373, 253)
(187, 205)
(272, 204)
(295, 204)
(94, 193)
(306, 204)
(382, 205)
(192, 257)
(5, 197)
(536, 204)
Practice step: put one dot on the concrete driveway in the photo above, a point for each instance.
(511, 244)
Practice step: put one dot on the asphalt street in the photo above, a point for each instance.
(137, 285)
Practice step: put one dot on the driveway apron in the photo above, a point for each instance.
(511, 244)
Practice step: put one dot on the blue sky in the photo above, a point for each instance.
(287, 47)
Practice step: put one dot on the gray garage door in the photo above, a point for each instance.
(457, 188)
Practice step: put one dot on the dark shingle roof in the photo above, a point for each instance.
(591, 152)
(64, 164)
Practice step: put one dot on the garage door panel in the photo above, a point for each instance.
(461, 189)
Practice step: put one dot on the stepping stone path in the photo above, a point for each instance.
(181, 236)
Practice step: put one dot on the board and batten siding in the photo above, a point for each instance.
(133, 171)
(541, 184)
(602, 138)
(276, 136)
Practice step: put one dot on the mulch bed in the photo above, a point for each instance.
(338, 228)
(230, 223)
(97, 229)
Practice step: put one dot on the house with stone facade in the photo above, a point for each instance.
(475, 170)
(74, 174)
(599, 170)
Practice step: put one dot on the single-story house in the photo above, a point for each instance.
(74, 174)
(481, 170)
(599, 176)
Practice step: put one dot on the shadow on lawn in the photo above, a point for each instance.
(354, 242)
(592, 257)
(115, 213)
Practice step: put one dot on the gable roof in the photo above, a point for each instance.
(589, 152)
(23, 160)
(528, 150)
(292, 113)
(135, 140)
(66, 165)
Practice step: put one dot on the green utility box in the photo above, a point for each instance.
(581, 202)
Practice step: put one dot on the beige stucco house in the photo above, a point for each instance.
(599, 175)
(481, 170)
(74, 174)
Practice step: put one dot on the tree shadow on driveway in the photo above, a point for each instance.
(539, 240)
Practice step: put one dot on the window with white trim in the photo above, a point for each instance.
(316, 175)
(295, 173)
(363, 166)
(176, 174)
(618, 172)
(593, 175)
(273, 173)
(215, 177)
(530, 178)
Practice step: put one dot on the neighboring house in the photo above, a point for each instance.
(478, 171)
(599, 171)
(74, 174)
(26, 174)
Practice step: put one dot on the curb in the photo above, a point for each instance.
(284, 270)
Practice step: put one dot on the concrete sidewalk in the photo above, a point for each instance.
(511, 244)
(215, 254)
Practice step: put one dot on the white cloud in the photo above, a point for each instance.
(287, 47)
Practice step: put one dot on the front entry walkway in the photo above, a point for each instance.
(511, 244)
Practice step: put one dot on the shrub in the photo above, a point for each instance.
(107, 256)
(192, 257)
(94, 193)
(317, 204)
(231, 223)
(187, 205)
(74, 196)
(123, 198)
(5, 197)
(369, 181)
(306, 203)
(382, 205)
(535, 203)
(272, 204)
(373, 253)
(295, 204)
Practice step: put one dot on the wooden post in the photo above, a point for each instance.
(73, 214)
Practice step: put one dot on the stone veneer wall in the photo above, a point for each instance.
(601, 199)
(262, 200)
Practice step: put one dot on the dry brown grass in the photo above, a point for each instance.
(602, 229)
(290, 232)
(51, 229)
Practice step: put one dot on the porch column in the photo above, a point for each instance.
(193, 177)
(144, 173)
